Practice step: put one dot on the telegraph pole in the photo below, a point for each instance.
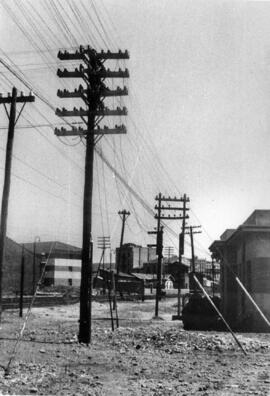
(181, 253)
(22, 282)
(12, 100)
(93, 93)
(123, 215)
(193, 267)
(169, 252)
(159, 216)
(104, 243)
(37, 239)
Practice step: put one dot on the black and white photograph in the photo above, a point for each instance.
(135, 197)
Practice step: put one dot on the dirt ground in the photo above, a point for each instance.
(144, 356)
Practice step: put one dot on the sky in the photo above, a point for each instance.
(198, 122)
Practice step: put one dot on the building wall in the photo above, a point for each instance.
(229, 288)
(65, 272)
(142, 255)
(252, 266)
(133, 257)
(256, 277)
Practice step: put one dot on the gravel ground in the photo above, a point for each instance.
(143, 357)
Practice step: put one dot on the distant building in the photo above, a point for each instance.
(133, 257)
(245, 251)
(178, 273)
(210, 270)
(63, 266)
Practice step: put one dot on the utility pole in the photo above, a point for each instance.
(104, 243)
(123, 215)
(22, 283)
(181, 253)
(37, 239)
(159, 216)
(12, 99)
(169, 252)
(93, 93)
(193, 267)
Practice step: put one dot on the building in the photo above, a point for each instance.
(245, 252)
(133, 257)
(172, 269)
(63, 263)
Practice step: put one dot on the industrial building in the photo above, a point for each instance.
(133, 257)
(63, 263)
(245, 252)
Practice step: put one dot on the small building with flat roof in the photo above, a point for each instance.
(245, 253)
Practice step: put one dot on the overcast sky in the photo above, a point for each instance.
(199, 101)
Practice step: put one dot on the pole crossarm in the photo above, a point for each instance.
(84, 112)
(104, 242)
(124, 214)
(170, 208)
(174, 217)
(82, 72)
(191, 228)
(20, 99)
(89, 52)
(81, 92)
(172, 199)
(121, 129)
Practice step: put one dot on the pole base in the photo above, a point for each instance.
(177, 317)
(157, 318)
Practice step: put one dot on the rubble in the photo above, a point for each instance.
(158, 358)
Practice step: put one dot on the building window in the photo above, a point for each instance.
(70, 269)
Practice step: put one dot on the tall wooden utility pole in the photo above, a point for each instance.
(193, 266)
(181, 253)
(104, 243)
(22, 282)
(12, 100)
(169, 252)
(123, 215)
(93, 93)
(159, 232)
(37, 239)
